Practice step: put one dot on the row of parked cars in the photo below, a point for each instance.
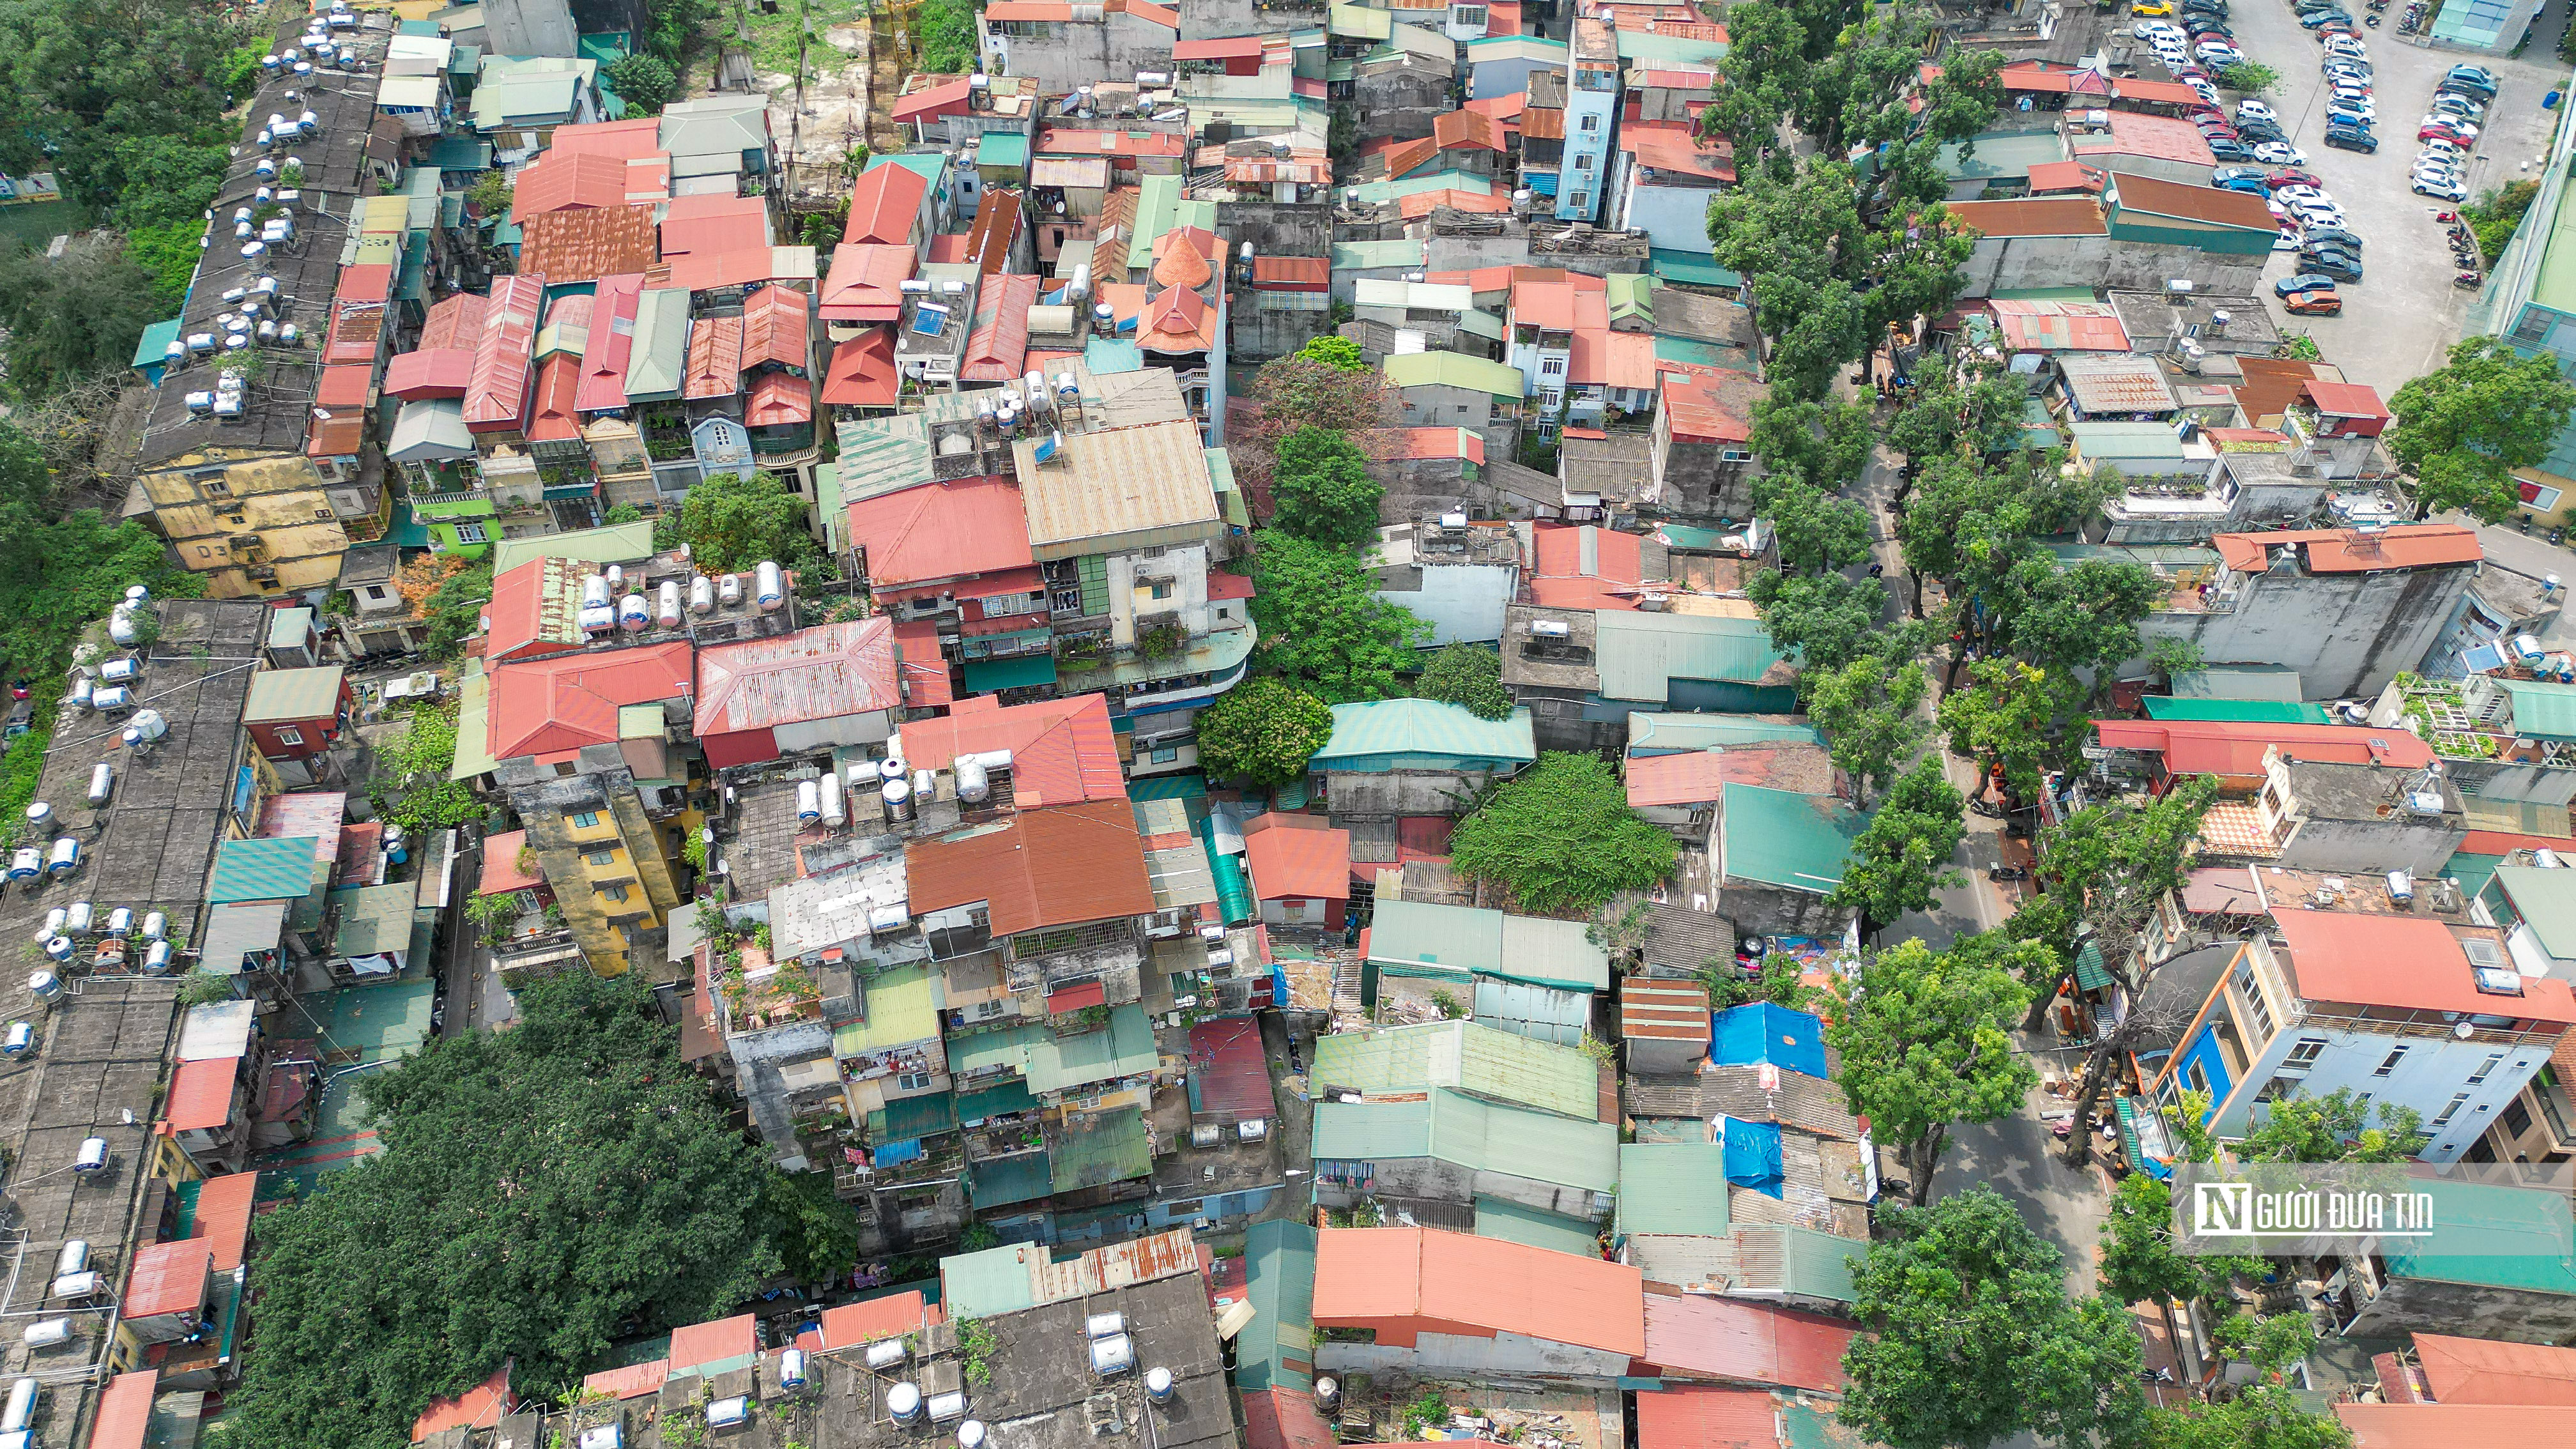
(2449, 132)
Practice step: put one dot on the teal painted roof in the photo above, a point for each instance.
(1004, 1181)
(1106, 356)
(1463, 940)
(263, 870)
(1655, 732)
(2540, 896)
(1424, 728)
(995, 1102)
(2248, 711)
(1002, 148)
(374, 919)
(1802, 1261)
(461, 153)
(155, 342)
(2541, 708)
(1374, 192)
(1533, 1227)
(930, 167)
(1695, 269)
(2521, 1233)
(1672, 1187)
(2090, 973)
(909, 1118)
(983, 676)
(1095, 1149)
(1480, 1136)
(2238, 681)
(1480, 1060)
(1786, 839)
(1277, 1351)
(1049, 1063)
(1364, 256)
(1640, 655)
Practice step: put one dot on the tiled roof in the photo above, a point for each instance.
(862, 372)
(1052, 867)
(1063, 751)
(589, 243)
(819, 673)
(1472, 129)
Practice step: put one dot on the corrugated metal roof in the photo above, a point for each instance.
(1480, 1060)
(1063, 751)
(1150, 480)
(505, 351)
(125, 1411)
(2542, 708)
(1641, 654)
(263, 870)
(1514, 1223)
(1700, 1416)
(1297, 861)
(288, 695)
(1374, 1275)
(2275, 711)
(1095, 1149)
(1663, 1010)
(820, 673)
(1277, 1351)
(1426, 731)
(1054, 867)
(1049, 1063)
(1799, 841)
(1672, 1187)
(2448, 1426)
(1482, 1136)
(1693, 1337)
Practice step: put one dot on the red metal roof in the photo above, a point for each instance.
(1678, 147)
(884, 205)
(2503, 842)
(1406, 157)
(610, 344)
(201, 1095)
(1231, 46)
(560, 180)
(1692, 411)
(2168, 93)
(1559, 580)
(1223, 586)
(1472, 129)
(168, 1278)
(1290, 860)
(1077, 996)
(819, 673)
(862, 373)
(551, 706)
(715, 358)
(2049, 176)
(706, 1343)
(2216, 205)
(999, 344)
(1055, 867)
(1385, 1276)
(949, 98)
(429, 372)
(997, 228)
(866, 280)
(2484, 1371)
(633, 1381)
(724, 231)
(626, 140)
(941, 530)
(497, 394)
(501, 870)
(551, 418)
(2351, 551)
(588, 243)
(1727, 1339)
(1284, 1419)
(708, 271)
(877, 1319)
(1124, 145)
(926, 683)
(1700, 1416)
(125, 1411)
(1162, 15)
(2346, 400)
(1422, 203)
(1063, 751)
(1424, 443)
(223, 1217)
(2234, 747)
(1233, 1075)
(2450, 1426)
(1292, 274)
(2410, 963)
(2060, 326)
(777, 327)
(480, 1406)
(358, 314)
(344, 386)
(779, 400)
(2039, 216)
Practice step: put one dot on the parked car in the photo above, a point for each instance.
(2250, 185)
(2256, 109)
(2465, 107)
(2150, 29)
(2343, 266)
(2280, 153)
(2311, 19)
(2314, 304)
(2261, 133)
(2446, 187)
(2308, 282)
(2297, 192)
(2334, 236)
(2226, 150)
(2288, 240)
(2444, 131)
(2314, 214)
(2225, 174)
(2347, 47)
(2351, 138)
(2351, 113)
(2150, 7)
(2447, 150)
(2291, 178)
(2470, 79)
(2466, 132)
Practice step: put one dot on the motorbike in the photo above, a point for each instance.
(2009, 872)
(1987, 808)
(2556, 534)
(2370, 20)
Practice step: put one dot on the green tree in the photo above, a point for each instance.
(80, 82)
(541, 1193)
(2334, 1128)
(73, 317)
(1869, 711)
(732, 523)
(454, 609)
(1469, 676)
(61, 571)
(168, 252)
(1561, 838)
(1925, 1040)
(1322, 625)
(2248, 78)
(2084, 617)
(816, 1233)
(1777, 981)
(2461, 430)
(1973, 1338)
(946, 34)
(645, 82)
(1824, 445)
(1332, 351)
(410, 785)
(2002, 718)
(622, 513)
(2139, 1264)
(1816, 530)
(1902, 857)
(1825, 620)
(1263, 731)
(1320, 482)
(2261, 1416)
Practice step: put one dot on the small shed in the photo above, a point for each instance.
(1301, 869)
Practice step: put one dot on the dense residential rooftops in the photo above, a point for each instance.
(1471, 1057)
(1063, 751)
(1472, 1134)
(1396, 1277)
(817, 673)
(1061, 866)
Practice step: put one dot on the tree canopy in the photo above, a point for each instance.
(2336, 1127)
(62, 571)
(644, 82)
(945, 32)
(1974, 1338)
(1925, 1039)
(1321, 488)
(542, 1192)
(2002, 719)
(1867, 709)
(1562, 839)
(1469, 676)
(732, 523)
(2139, 1263)
(1333, 351)
(1262, 730)
(1322, 624)
(2463, 428)
(1903, 855)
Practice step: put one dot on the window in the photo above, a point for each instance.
(1166, 757)
(1470, 16)
(584, 820)
(600, 857)
(2199, 1076)
(2395, 1055)
(289, 735)
(911, 1081)
(2533, 326)
(218, 487)
(2304, 1053)
(1583, 162)
(2517, 1118)
(1583, 202)
(1160, 591)
(614, 893)
(1591, 123)
(1551, 366)
(2485, 1068)
(376, 592)
(2249, 992)
(471, 533)
(567, 767)
(2451, 1109)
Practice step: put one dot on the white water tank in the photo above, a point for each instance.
(59, 948)
(729, 590)
(120, 922)
(835, 813)
(155, 926)
(772, 586)
(809, 802)
(891, 767)
(102, 783)
(146, 727)
(44, 985)
(903, 1403)
(27, 863)
(897, 795)
(594, 592)
(54, 922)
(114, 697)
(64, 858)
(40, 816)
(157, 959)
(124, 670)
(48, 1333)
(702, 595)
(666, 610)
(79, 919)
(633, 614)
(1158, 1384)
(616, 577)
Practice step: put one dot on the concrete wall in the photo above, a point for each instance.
(1439, 1181)
(2424, 1305)
(1449, 1353)
(1220, 19)
(1078, 54)
(1768, 910)
(2001, 263)
(1277, 228)
(1468, 253)
(1463, 603)
(2372, 847)
(1673, 217)
(1353, 793)
(1261, 332)
(1398, 102)
(2346, 634)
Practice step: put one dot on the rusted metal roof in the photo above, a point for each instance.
(1689, 1336)
(778, 400)
(715, 358)
(821, 673)
(777, 327)
(1054, 867)
(589, 243)
(497, 394)
(1663, 1010)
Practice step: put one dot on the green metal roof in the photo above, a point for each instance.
(1640, 654)
(985, 675)
(2001, 155)
(1480, 1136)
(264, 870)
(1004, 1181)
(284, 696)
(1480, 1060)
(473, 724)
(995, 1102)
(1446, 369)
(1460, 940)
(1161, 206)
(461, 153)
(661, 348)
(1655, 732)
(1782, 838)
(2541, 708)
(1632, 294)
(2264, 711)
(902, 1008)
(905, 1119)
(155, 342)
(1049, 1063)
(1364, 256)
(616, 543)
(1358, 22)
(2090, 973)
(1672, 1187)
(1533, 1227)
(2472, 871)
(2543, 898)
(1002, 148)
(289, 628)
(374, 919)
(1095, 1149)
(1694, 269)
(2520, 1232)
(1424, 727)
(1277, 1350)
(1373, 192)
(1802, 1261)
(930, 167)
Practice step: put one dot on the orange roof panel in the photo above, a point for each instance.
(201, 1095)
(1693, 1337)
(866, 281)
(1702, 1416)
(2236, 747)
(942, 530)
(125, 1411)
(168, 1278)
(2484, 1371)
(2351, 551)
(1057, 867)
(2410, 963)
(706, 1343)
(1063, 751)
(548, 706)
(877, 1319)
(501, 870)
(862, 373)
(478, 1407)
(1297, 861)
(223, 1217)
(1378, 1275)
(2450, 1426)
(884, 204)
(821, 673)
(926, 684)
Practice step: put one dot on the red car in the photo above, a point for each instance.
(2287, 177)
(2441, 131)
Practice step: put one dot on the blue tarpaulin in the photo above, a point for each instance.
(1752, 1036)
(1752, 1154)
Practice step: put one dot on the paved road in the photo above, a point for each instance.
(2400, 318)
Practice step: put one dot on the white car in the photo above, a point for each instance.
(2287, 241)
(2300, 193)
(2467, 129)
(2347, 49)
(2352, 113)
(2447, 188)
(2254, 110)
(2280, 153)
(2215, 53)
(2328, 216)
(2150, 29)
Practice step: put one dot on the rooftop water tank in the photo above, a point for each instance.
(729, 589)
(44, 985)
(809, 802)
(122, 670)
(102, 783)
(26, 863)
(48, 1333)
(78, 920)
(772, 586)
(64, 858)
(594, 592)
(633, 615)
(146, 727)
(903, 1401)
(702, 595)
(120, 922)
(18, 1040)
(157, 959)
(835, 813)
(666, 610)
(155, 926)
(54, 920)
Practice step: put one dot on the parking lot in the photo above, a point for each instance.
(2397, 321)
